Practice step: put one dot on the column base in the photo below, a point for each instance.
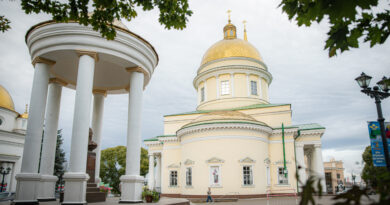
(131, 188)
(47, 188)
(24, 203)
(27, 188)
(75, 187)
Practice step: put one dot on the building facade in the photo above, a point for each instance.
(12, 133)
(334, 176)
(236, 142)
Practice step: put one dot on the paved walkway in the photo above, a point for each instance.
(115, 200)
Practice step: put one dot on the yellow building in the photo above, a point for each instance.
(334, 176)
(234, 141)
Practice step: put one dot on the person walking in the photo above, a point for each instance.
(209, 196)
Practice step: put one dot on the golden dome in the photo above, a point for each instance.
(223, 116)
(6, 99)
(231, 48)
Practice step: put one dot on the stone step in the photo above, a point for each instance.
(91, 185)
(95, 197)
(93, 189)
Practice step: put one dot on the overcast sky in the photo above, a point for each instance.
(320, 89)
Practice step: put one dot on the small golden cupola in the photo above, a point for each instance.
(229, 31)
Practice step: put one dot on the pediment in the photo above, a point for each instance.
(215, 160)
(174, 166)
(247, 160)
(189, 162)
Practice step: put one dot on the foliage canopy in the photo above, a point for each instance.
(349, 21)
(113, 165)
(173, 13)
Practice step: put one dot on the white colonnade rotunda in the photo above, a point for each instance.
(74, 56)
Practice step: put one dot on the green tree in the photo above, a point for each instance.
(173, 13)
(350, 20)
(113, 165)
(371, 174)
(60, 160)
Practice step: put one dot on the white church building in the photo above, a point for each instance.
(236, 142)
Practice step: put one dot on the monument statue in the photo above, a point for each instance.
(93, 192)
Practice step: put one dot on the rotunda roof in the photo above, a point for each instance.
(231, 48)
(223, 117)
(6, 99)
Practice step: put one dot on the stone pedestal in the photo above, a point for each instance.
(93, 192)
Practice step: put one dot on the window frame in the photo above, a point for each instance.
(202, 94)
(225, 87)
(250, 177)
(189, 176)
(219, 184)
(173, 178)
(282, 176)
(254, 88)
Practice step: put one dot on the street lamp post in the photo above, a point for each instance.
(379, 93)
(3, 172)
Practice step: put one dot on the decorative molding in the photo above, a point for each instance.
(207, 127)
(189, 162)
(174, 166)
(138, 69)
(223, 137)
(58, 81)
(282, 162)
(9, 158)
(42, 60)
(215, 160)
(92, 54)
(247, 160)
(267, 161)
(280, 141)
(99, 91)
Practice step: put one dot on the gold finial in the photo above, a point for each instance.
(245, 36)
(229, 11)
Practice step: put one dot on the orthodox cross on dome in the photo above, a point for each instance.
(245, 36)
(229, 11)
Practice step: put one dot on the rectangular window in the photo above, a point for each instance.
(268, 177)
(202, 94)
(173, 178)
(247, 174)
(225, 88)
(215, 179)
(282, 176)
(253, 87)
(338, 176)
(189, 176)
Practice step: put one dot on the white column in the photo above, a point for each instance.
(28, 179)
(97, 121)
(132, 182)
(318, 165)
(248, 85)
(48, 181)
(217, 82)
(76, 178)
(232, 82)
(158, 173)
(300, 157)
(151, 172)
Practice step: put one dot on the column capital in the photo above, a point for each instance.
(92, 54)
(137, 69)
(58, 81)
(299, 145)
(42, 60)
(317, 145)
(99, 91)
